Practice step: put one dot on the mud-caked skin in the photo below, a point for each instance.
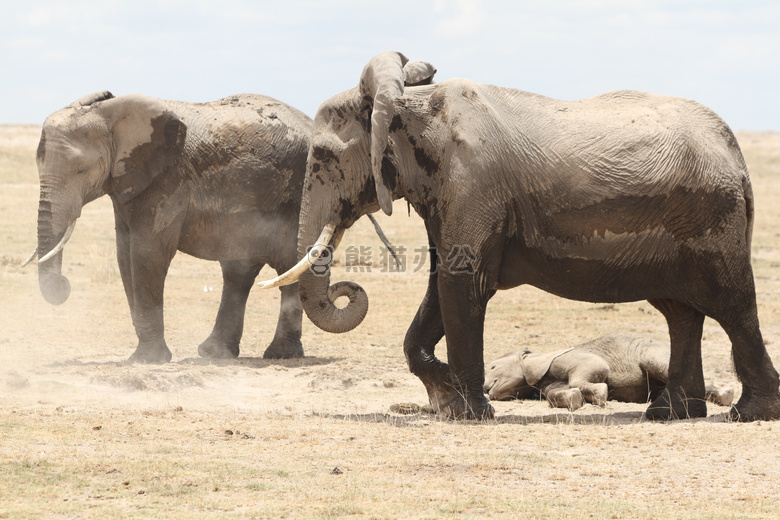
(621, 197)
(619, 366)
(219, 181)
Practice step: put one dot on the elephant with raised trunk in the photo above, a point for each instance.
(620, 366)
(621, 197)
(219, 181)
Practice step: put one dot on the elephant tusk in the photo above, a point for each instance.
(292, 275)
(384, 239)
(34, 253)
(58, 247)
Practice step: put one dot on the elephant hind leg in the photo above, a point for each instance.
(654, 363)
(760, 399)
(223, 342)
(683, 396)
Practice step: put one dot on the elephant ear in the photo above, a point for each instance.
(418, 73)
(148, 139)
(93, 98)
(381, 83)
(536, 366)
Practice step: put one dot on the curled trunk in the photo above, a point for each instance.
(318, 297)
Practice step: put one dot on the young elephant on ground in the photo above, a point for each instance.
(621, 367)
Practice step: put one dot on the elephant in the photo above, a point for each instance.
(621, 197)
(219, 181)
(619, 366)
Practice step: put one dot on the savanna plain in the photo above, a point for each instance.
(84, 435)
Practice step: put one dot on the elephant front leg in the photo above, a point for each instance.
(149, 267)
(590, 378)
(561, 395)
(463, 305)
(424, 333)
(287, 339)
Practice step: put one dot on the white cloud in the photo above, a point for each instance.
(467, 18)
(39, 16)
(304, 51)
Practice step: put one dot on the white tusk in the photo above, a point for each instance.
(58, 247)
(34, 253)
(292, 275)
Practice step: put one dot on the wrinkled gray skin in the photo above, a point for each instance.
(620, 366)
(621, 197)
(219, 181)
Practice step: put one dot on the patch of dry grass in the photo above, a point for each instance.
(86, 436)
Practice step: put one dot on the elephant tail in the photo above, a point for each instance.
(736, 163)
(747, 192)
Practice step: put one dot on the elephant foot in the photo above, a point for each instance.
(213, 348)
(675, 405)
(571, 399)
(756, 408)
(284, 349)
(452, 404)
(151, 354)
(719, 396)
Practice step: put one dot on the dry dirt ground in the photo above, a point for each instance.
(84, 435)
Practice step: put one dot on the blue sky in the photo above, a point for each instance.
(725, 54)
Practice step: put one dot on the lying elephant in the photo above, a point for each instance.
(621, 367)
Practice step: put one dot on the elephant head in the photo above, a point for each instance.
(98, 145)
(506, 377)
(350, 173)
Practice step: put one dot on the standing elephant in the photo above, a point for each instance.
(219, 181)
(619, 366)
(621, 197)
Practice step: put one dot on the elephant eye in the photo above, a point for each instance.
(82, 170)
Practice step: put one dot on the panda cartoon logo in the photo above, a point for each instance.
(320, 266)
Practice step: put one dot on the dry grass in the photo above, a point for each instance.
(86, 436)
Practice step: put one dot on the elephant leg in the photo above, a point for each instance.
(463, 303)
(149, 262)
(718, 395)
(595, 393)
(225, 337)
(287, 339)
(760, 399)
(591, 379)
(683, 396)
(561, 395)
(654, 363)
(421, 339)
(123, 258)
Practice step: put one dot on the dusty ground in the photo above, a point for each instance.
(86, 436)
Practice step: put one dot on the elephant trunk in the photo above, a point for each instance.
(318, 297)
(55, 288)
